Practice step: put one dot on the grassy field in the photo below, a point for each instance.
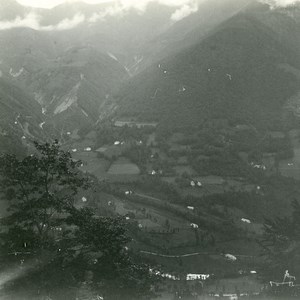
(3, 208)
(123, 167)
(120, 170)
(184, 169)
(159, 239)
(291, 167)
(163, 229)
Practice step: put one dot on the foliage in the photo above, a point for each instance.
(43, 186)
(155, 185)
(281, 245)
(63, 247)
(222, 163)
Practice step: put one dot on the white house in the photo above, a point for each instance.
(193, 225)
(190, 207)
(197, 276)
(230, 257)
(263, 167)
(229, 76)
(246, 220)
(172, 277)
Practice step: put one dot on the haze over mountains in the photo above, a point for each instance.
(184, 115)
(242, 70)
(77, 64)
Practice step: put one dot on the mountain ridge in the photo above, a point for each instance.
(240, 43)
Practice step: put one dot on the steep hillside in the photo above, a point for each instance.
(75, 87)
(285, 21)
(241, 69)
(19, 118)
(70, 87)
(233, 74)
(191, 30)
(25, 48)
(124, 36)
(72, 73)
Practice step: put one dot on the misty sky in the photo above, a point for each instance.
(126, 3)
(182, 9)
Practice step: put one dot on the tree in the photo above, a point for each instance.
(281, 246)
(167, 223)
(41, 187)
(65, 249)
(94, 257)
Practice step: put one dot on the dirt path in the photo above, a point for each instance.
(192, 254)
(148, 197)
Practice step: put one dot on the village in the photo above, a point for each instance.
(174, 213)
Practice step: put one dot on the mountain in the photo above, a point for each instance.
(70, 74)
(231, 59)
(19, 118)
(9, 10)
(285, 21)
(70, 87)
(238, 73)
(88, 78)
(123, 33)
(189, 31)
(124, 36)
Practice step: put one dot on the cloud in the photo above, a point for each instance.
(121, 7)
(183, 8)
(32, 20)
(67, 24)
(177, 3)
(183, 12)
(138, 4)
(111, 11)
(41, 3)
(282, 3)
